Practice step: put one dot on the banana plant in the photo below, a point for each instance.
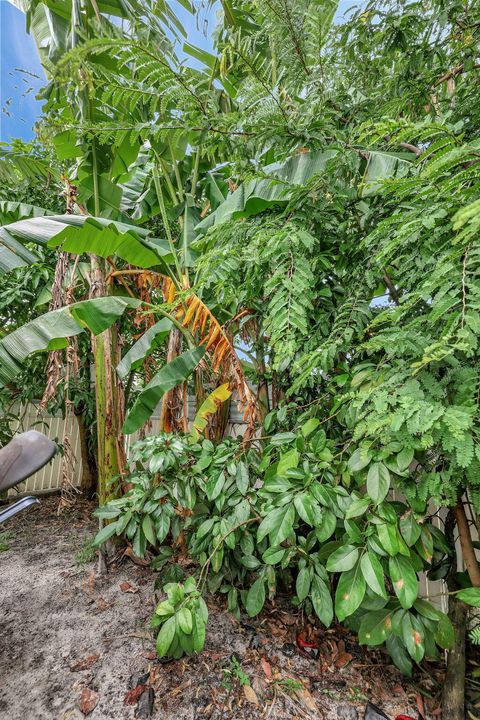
(59, 28)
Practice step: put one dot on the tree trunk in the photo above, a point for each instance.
(88, 482)
(173, 417)
(453, 693)
(468, 550)
(110, 457)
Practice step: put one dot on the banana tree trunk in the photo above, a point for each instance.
(108, 396)
(173, 417)
(88, 481)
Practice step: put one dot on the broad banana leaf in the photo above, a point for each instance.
(12, 253)
(16, 166)
(78, 234)
(257, 195)
(382, 166)
(209, 407)
(190, 220)
(11, 211)
(151, 339)
(50, 331)
(93, 237)
(171, 375)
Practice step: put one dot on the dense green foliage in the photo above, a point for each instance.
(279, 519)
(310, 195)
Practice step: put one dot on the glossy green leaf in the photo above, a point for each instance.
(445, 633)
(305, 508)
(273, 555)
(343, 559)
(387, 535)
(165, 637)
(359, 459)
(149, 530)
(287, 461)
(350, 592)
(378, 482)
(199, 626)
(328, 523)
(357, 508)
(278, 524)
(471, 596)
(404, 458)
(413, 635)
(184, 620)
(373, 573)
(255, 597)
(375, 627)
(242, 478)
(104, 534)
(302, 584)
(399, 655)
(322, 600)
(404, 580)
(410, 528)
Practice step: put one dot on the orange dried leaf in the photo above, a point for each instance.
(88, 701)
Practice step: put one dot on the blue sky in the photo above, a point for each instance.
(21, 75)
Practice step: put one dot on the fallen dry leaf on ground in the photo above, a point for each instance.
(343, 659)
(138, 561)
(88, 701)
(250, 694)
(127, 588)
(84, 663)
(266, 667)
(132, 696)
(307, 699)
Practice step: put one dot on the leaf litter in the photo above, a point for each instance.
(69, 658)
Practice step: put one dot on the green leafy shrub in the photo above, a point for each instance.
(296, 515)
(182, 618)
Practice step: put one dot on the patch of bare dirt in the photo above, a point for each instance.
(74, 645)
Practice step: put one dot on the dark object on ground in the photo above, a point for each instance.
(145, 703)
(372, 712)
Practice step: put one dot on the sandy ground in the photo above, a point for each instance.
(66, 633)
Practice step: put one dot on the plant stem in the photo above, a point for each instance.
(176, 172)
(205, 566)
(163, 211)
